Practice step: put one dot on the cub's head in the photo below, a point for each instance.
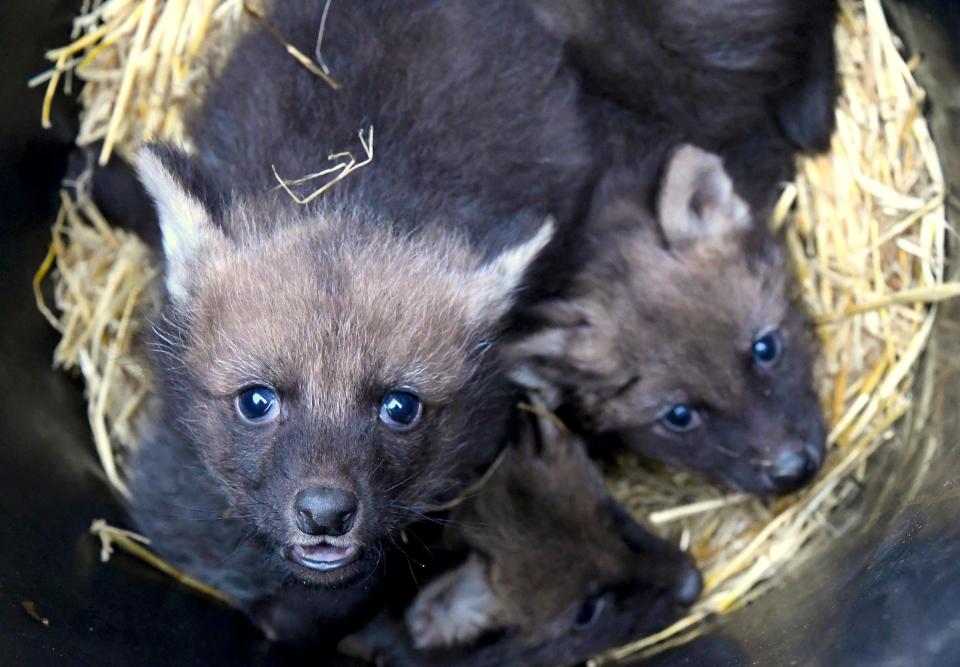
(682, 337)
(333, 372)
(558, 570)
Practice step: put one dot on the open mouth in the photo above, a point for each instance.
(323, 557)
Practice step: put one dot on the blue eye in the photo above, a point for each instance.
(400, 409)
(680, 418)
(258, 404)
(766, 349)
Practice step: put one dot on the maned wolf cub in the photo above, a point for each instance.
(327, 371)
(556, 572)
(680, 336)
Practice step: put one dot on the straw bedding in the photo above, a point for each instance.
(864, 225)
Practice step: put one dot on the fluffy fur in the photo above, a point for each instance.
(556, 573)
(753, 81)
(672, 277)
(398, 277)
(665, 313)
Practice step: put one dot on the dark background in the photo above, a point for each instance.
(886, 594)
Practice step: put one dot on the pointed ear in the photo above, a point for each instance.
(547, 358)
(494, 285)
(185, 225)
(455, 608)
(697, 200)
(536, 363)
(557, 323)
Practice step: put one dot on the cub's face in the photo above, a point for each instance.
(335, 375)
(557, 572)
(564, 559)
(707, 367)
(691, 352)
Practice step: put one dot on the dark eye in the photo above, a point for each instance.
(589, 612)
(766, 349)
(258, 404)
(400, 409)
(680, 417)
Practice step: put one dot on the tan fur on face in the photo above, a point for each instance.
(339, 309)
(298, 294)
(666, 314)
(332, 310)
(680, 323)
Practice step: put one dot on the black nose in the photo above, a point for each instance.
(323, 510)
(794, 468)
(689, 586)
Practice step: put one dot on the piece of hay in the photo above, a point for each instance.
(138, 546)
(30, 607)
(102, 279)
(319, 70)
(142, 64)
(865, 229)
(345, 164)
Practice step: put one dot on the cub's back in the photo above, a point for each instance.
(475, 114)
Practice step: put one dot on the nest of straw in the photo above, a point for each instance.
(865, 228)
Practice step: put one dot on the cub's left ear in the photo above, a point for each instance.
(186, 228)
(697, 200)
(493, 286)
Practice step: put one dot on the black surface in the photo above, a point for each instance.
(888, 593)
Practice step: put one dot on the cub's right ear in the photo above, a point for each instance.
(186, 228)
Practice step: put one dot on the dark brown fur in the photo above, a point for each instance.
(399, 276)
(557, 571)
(662, 311)
(401, 273)
(666, 313)
(753, 81)
(295, 314)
